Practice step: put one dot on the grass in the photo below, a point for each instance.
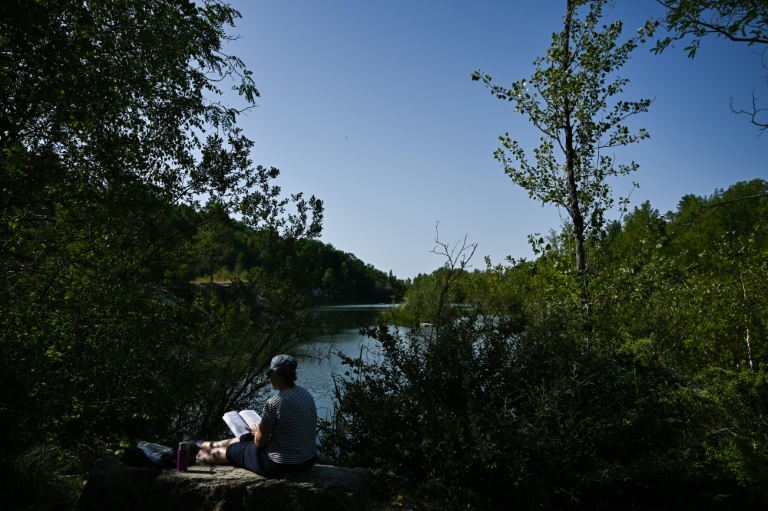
(40, 477)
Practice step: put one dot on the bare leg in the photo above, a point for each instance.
(215, 452)
(217, 456)
(214, 444)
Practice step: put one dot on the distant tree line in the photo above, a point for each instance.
(220, 249)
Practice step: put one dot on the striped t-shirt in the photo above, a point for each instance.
(294, 416)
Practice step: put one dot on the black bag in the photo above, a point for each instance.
(152, 456)
(135, 457)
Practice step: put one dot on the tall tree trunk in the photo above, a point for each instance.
(574, 208)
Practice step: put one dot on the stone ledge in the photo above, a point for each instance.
(115, 486)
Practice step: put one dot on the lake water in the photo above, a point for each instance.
(335, 329)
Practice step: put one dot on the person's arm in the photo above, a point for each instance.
(261, 432)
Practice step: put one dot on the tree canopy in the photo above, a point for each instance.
(115, 129)
(570, 99)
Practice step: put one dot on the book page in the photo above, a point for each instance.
(251, 417)
(236, 423)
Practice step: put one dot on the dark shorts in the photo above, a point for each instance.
(245, 454)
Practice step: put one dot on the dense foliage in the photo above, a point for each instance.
(632, 379)
(150, 270)
(112, 130)
(123, 170)
(512, 402)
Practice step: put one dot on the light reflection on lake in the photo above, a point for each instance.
(335, 329)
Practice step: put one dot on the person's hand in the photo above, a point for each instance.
(253, 429)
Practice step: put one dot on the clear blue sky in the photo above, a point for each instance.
(369, 106)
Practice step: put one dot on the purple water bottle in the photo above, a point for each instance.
(182, 458)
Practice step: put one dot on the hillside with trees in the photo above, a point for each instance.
(218, 250)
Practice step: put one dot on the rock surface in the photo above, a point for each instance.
(115, 486)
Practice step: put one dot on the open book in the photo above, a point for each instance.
(238, 422)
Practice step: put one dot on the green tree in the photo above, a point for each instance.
(214, 240)
(111, 122)
(570, 99)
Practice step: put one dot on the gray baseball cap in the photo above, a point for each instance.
(283, 363)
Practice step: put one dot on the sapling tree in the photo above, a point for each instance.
(571, 98)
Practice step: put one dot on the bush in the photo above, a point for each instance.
(41, 475)
(521, 405)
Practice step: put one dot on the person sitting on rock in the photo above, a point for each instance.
(284, 442)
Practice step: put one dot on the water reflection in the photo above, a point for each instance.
(335, 329)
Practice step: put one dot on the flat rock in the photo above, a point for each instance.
(115, 486)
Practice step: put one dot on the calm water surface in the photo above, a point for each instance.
(336, 329)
